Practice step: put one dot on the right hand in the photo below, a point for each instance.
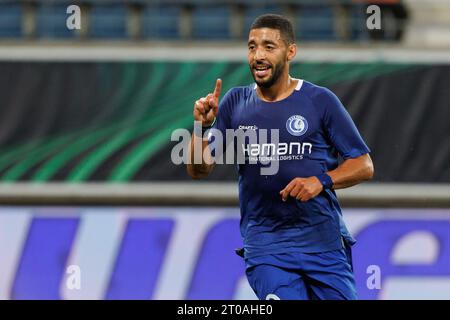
(205, 109)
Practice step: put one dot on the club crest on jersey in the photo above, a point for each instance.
(297, 125)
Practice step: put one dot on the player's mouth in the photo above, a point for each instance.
(262, 70)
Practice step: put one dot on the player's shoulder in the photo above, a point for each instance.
(236, 94)
(322, 98)
(240, 91)
(316, 92)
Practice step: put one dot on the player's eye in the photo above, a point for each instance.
(251, 47)
(270, 47)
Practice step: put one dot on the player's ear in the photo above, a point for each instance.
(291, 51)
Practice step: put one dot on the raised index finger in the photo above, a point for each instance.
(217, 88)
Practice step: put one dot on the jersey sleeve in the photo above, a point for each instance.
(339, 126)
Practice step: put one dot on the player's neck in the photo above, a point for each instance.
(279, 90)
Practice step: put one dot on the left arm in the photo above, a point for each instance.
(347, 174)
(352, 172)
(345, 138)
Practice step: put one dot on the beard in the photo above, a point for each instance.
(276, 73)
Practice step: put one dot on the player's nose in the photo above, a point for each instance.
(260, 55)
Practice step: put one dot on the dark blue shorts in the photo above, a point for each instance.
(303, 276)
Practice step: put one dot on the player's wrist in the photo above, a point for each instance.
(209, 126)
(325, 180)
(205, 127)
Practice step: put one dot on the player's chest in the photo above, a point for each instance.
(291, 121)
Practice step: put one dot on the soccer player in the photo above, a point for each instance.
(296, 245)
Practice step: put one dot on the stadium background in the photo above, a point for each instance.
(86, 119)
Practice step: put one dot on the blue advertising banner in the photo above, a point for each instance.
(188, 253)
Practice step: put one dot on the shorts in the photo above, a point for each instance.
(303, 276)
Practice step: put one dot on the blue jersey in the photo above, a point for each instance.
(314, 129)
